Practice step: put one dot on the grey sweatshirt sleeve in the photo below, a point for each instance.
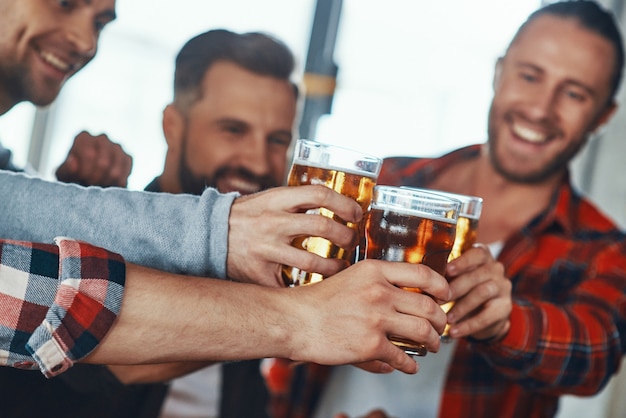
(175, 233)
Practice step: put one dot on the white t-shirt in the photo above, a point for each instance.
(357, 392)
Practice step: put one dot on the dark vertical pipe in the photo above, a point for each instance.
(320, 72)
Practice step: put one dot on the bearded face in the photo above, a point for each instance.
(224, 178)
(551, 91)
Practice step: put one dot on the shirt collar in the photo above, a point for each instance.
(562, 203)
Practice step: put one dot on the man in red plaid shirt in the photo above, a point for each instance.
(562, 328)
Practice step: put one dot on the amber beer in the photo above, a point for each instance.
(348, 172)
(465, 237)
(411, 226)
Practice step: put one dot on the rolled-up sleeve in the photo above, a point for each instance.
(57, 302)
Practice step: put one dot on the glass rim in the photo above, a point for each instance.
(336, 157)
(413, 201)
(471, 206)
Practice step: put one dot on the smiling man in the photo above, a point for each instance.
(229, 127)
(561, 327)
(232, 119)
(38, 55)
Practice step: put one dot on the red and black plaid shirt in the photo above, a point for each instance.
(57, 302)
(568, 324)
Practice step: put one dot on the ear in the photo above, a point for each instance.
(497, 73)
(173, 127)
(604, 117)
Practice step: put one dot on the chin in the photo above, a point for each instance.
(44, 99)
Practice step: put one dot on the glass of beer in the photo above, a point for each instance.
(413, 226)
(349, 172)
(466, 233)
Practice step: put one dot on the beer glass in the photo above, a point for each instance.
(346, 171)
(466, 233)
(412, 226)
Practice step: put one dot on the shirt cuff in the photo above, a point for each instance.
(88, 300)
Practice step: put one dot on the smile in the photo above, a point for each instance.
(528, 134)
(56, 62)
(242, 186)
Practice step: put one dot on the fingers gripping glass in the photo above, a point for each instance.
(346, 171)
(411, 226)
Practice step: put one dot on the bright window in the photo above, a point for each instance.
(414, 76)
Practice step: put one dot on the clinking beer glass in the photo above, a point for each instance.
(346, 171)
(466, 233)
(412, 226)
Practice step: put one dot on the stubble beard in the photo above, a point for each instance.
(552, 168)
(192, 184)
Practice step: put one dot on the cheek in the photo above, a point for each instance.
(576, 122)
(279, 166)
(203, 157)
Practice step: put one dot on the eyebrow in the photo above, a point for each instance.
(569, 81)
(230, 120)
(109, 14)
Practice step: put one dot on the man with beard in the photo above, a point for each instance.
(229, 127)
(564, 325)
(72, 302)
(231, 122)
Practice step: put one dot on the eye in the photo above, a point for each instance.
(575, 95)
(531, 78)
(233, 128)
(65, 4)
(282, 141)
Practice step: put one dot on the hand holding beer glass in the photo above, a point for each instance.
(466, 233)
(413, 226)
(346, 171)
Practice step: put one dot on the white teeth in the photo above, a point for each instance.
(528, 134)
(55, 61)
(244, 187)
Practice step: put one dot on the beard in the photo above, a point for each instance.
(555, 166)
(192, 183)
(21, 85)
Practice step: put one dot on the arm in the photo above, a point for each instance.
(57, 302)
(167, 318)
(146, 228)
(344, 319)
(558, 341)
(181, 233)
(576, 345)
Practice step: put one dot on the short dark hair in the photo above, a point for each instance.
(257, 52)
(593, 17)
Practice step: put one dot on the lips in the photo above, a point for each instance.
(529, 134)
(57, 62)
(238, 184)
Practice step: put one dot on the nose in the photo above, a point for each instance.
(256, 156)
(82, 34)
(543, 103)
